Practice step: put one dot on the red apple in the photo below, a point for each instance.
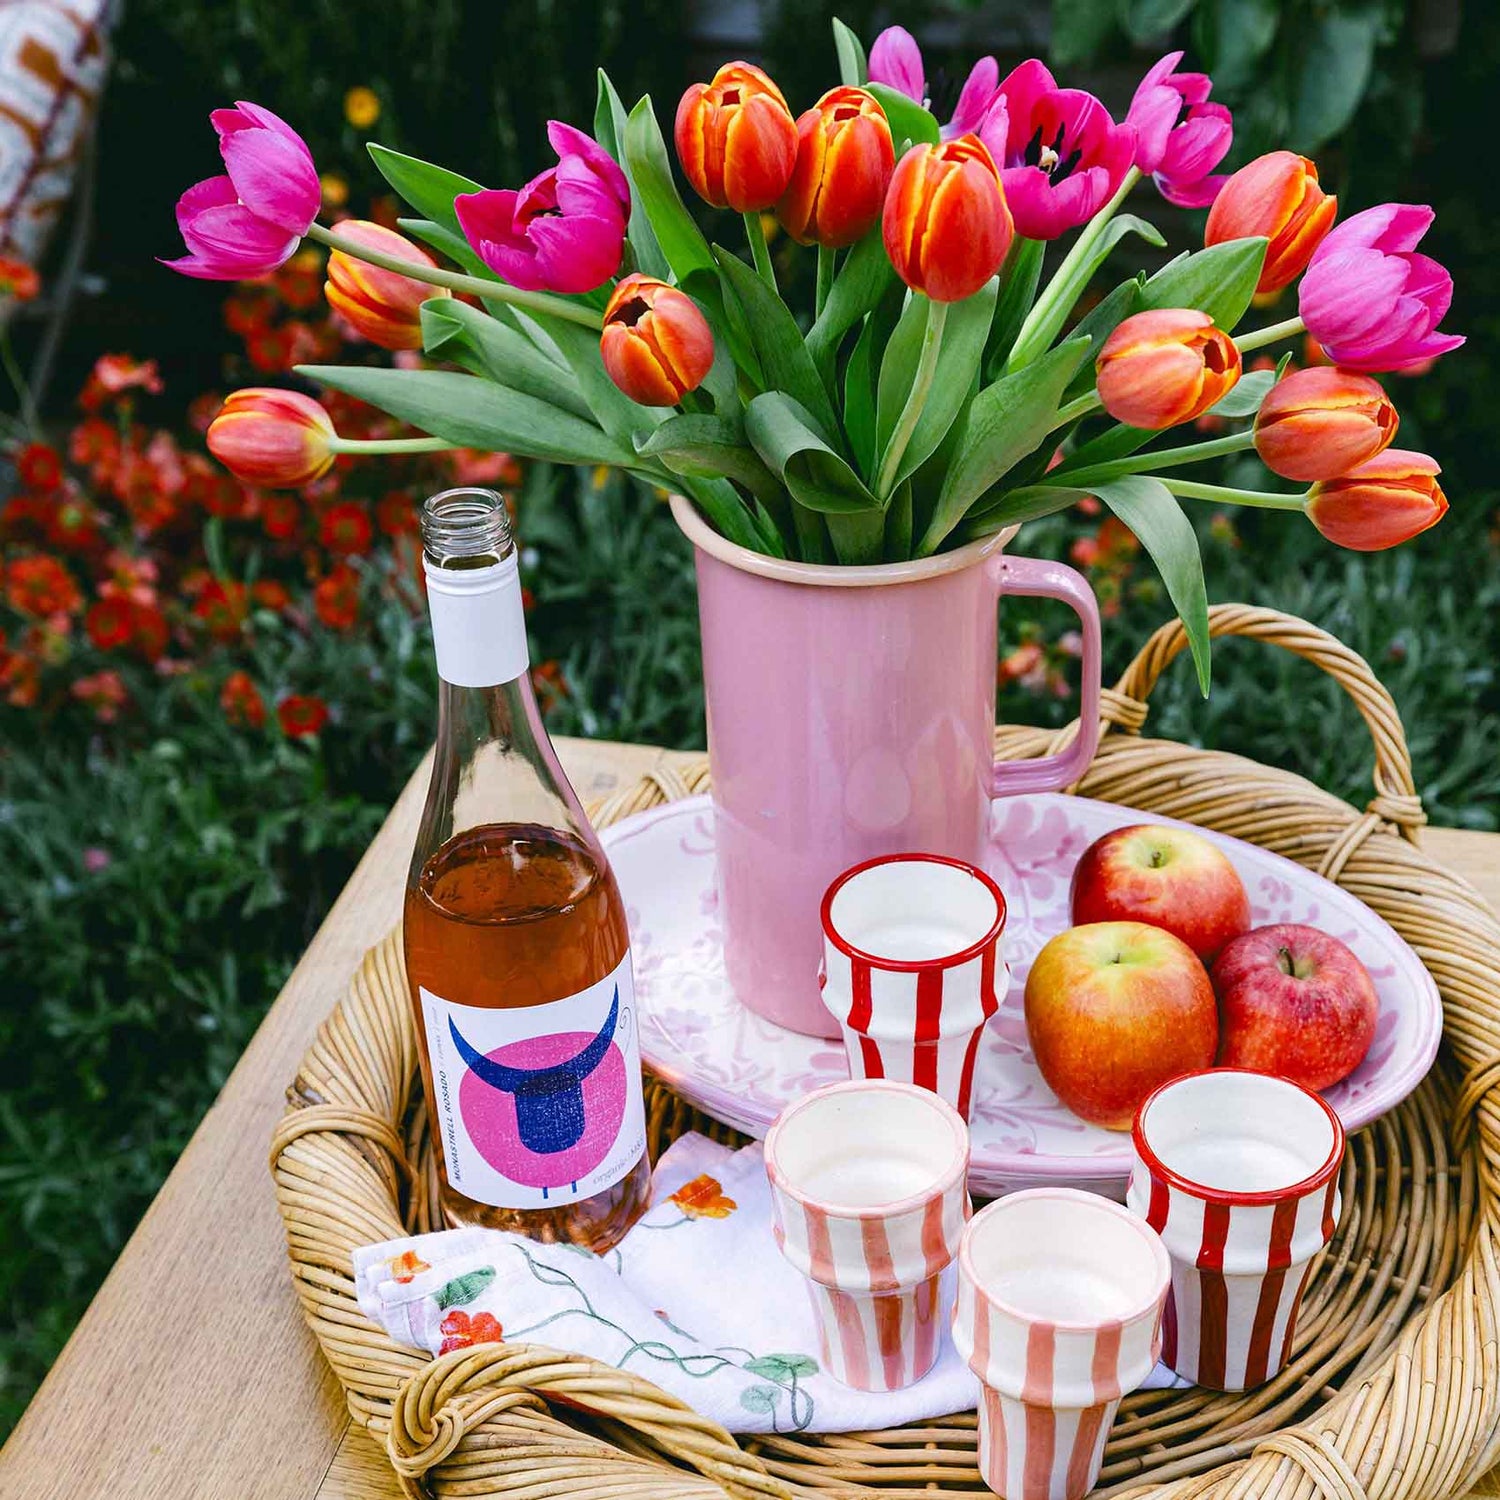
(1112, 1010)
(1169, 877)
(1295, 1002)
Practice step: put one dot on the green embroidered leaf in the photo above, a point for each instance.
(782, 1368)
(760, 1398)
(1151, 511)
(1219, 281)
(1005, 421)
(853, 68)
(610, 125)
(650, 173)
(475, 413)
(429, 189)
(908, 120)
(464, 1288)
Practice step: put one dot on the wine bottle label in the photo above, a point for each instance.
(478, 623)
(538, 1106)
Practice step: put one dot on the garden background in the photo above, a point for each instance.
(209, 697)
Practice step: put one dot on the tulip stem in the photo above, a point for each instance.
(1144, 463)
(392, 445)
(911, 413)
(760, 252)
(827, 261)
(477, 286)
(1260, 499)
(1274, 333)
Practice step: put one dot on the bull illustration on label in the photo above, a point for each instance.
(545, 1111)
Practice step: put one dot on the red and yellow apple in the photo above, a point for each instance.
(1113, 1009)
(1294, 1002)
(1170, 877)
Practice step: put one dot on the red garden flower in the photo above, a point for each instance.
(73, 525)
(18, 281)
(301, 715)
(41, 586)
(460, 1331)
(280, 516)
(396, 514)
(241, 701)
(336, 598)
(110, 622)
(345, 529)
(39, 467)
(222, 606)
(152, 633)
(104, 692)
(269, 594)
(21, 671)
(114, 374)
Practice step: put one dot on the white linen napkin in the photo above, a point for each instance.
(696, 1297)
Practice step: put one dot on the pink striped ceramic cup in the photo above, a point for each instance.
(1239, 1174)
(1060, 1296)
(869, 1198)
(911, 949)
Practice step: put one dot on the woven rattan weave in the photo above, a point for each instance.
(1393, 1392)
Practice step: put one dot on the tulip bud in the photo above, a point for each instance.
(1276, 196)
(844, 164)
(1380, 504)
(275, 439)
(656, 346)
(1321, 423)
(382, 306)
(1164, 367)
(736, 139)
(946, 223)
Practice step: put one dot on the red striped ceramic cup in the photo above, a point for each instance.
(1239, 1174)
(1060, 1296)
(868, 1199)
(911, 950)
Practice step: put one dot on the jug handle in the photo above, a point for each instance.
(1037, 578)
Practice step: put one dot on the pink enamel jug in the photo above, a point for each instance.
(851, 714)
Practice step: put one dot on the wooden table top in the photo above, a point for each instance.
(192, 1374)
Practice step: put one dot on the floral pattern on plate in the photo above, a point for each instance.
(744, 1070)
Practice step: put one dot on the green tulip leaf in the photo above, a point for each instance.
(907, 119)
(712, 446)
(471, 412)
(501, 352)
(861, 375)
(1219, 281)
(867, 275)
(1054, 305)
(1244, 399)
(853, 67)
(610, 127)
(1333, 72)
(786, 436)
(446, 242)
(1004, 423)
(650, 173)
(965, 330)
(429, 189)
(1018, 283)
(1145, 20)
(746, 525)
(785, 364)
(1029, 503)
(1101, 321)
(1114, 442)
(1152, 512)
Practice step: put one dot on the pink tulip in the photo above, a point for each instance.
(896, 61)
(1370, 300)
(249, 221)
(565, 230)
(1180, 137)
(1062, 157)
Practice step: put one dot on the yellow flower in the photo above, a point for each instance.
(600, 477)
(361, 107)
(703, 1198)
(335, 190)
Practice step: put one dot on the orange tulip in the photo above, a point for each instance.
(380, 305)
(656, 345)
(278, 440)
(736, 139)
(1381, 503)
(1321, 422)
(1164, 367)
(844, 164)
(1277, 196)
(946, 223)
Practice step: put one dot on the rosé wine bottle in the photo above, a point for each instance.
(517, 950)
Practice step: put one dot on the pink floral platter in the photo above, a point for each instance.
(743, 1070)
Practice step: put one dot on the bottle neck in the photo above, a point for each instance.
(478, 624)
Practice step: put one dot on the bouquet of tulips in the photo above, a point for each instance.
(938, 390)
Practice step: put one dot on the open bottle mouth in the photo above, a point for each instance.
(466, 528)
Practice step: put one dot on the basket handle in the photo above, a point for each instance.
(1396, 798)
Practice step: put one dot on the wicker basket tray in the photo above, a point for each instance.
(1393, 1391)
